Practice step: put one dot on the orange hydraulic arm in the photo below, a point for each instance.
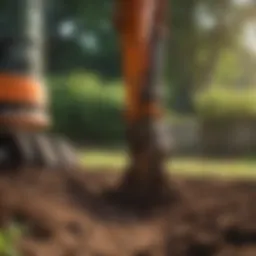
(139, 22)
(141, 25)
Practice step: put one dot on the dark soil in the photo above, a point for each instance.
(74, 215)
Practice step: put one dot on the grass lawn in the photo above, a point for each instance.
(237, 168)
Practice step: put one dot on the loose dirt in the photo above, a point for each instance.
(73, 215)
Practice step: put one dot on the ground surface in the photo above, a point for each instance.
(70, 215)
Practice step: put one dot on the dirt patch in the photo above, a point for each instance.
(73, 215)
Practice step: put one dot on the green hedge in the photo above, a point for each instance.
(87, 109)
(226, 103)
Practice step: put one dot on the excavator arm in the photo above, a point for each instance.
(141, 26)
(137, 25)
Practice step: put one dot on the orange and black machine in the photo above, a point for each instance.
(23, 100)
(23, 97)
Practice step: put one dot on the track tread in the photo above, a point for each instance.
(35, 150)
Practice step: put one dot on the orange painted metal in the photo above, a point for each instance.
(135, 20)
(29, 95)
(19, 89)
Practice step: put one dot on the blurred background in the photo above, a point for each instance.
(210, 77)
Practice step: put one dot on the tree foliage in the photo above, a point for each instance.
(201, 30)
(80, 35)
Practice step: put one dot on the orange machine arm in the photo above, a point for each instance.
(141, 25)
(137, 21)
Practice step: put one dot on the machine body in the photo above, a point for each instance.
(23, 100)
(23, 97)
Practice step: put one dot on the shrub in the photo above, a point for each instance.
(86, 109)
(226, 103)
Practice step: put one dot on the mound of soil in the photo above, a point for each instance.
(73, 215)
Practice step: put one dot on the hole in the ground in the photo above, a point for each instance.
(197, 249)
(238, 237)
(39, 232)
(19, 218)
(200, 249)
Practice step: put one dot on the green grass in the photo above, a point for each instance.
(8, 238)
(240, 168)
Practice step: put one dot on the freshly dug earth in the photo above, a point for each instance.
(73, 215)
